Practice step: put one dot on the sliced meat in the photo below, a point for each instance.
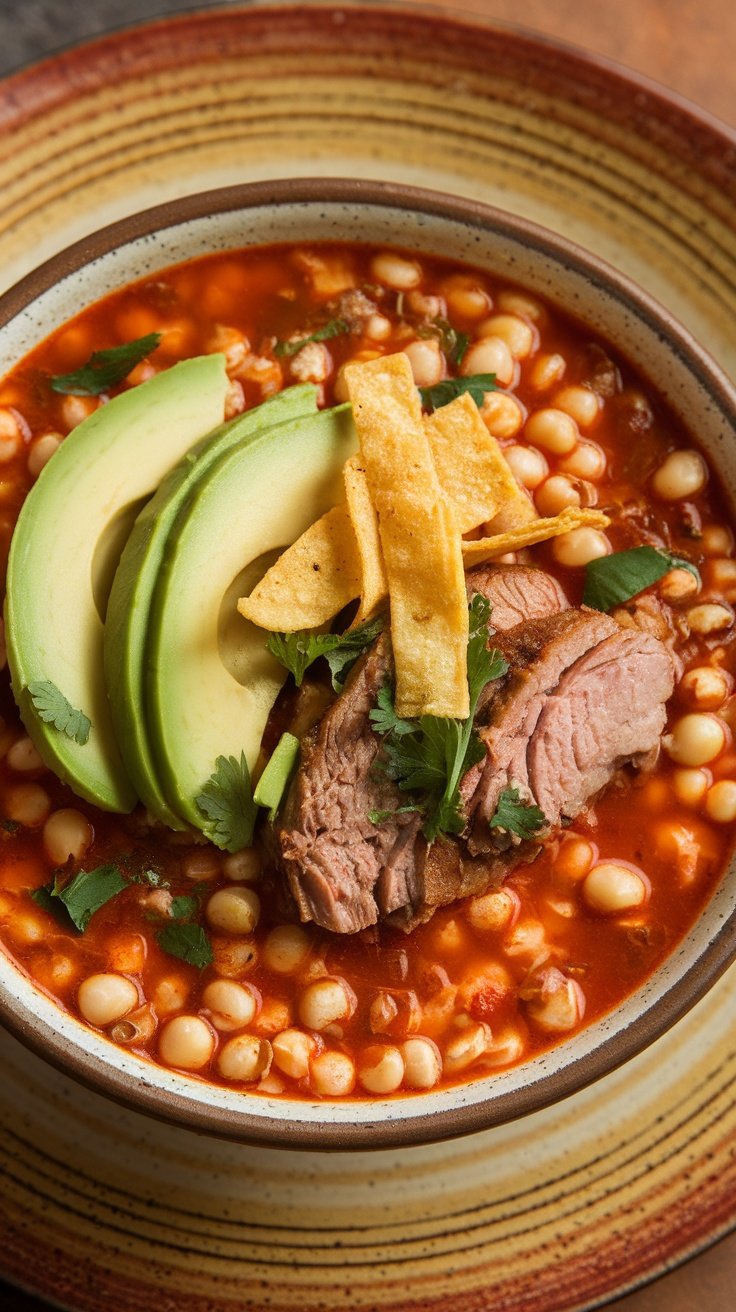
(516, 593)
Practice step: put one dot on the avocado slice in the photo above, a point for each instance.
(126, 625)
(210, 681)
(73, 522)
(277, 773)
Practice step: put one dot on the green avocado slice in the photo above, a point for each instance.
(210, 681)
(65, 546)
(126, 625)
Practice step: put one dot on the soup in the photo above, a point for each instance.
(194, 956)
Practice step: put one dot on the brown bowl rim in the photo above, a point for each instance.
(612, 1052)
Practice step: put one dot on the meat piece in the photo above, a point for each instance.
(516, 593)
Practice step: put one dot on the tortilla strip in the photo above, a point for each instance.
(420, 538)
(374, 584)
(311, 580)
(471, 467)
(526, 535)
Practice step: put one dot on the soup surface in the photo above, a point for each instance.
(194, 957)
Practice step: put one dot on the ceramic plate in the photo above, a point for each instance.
(563, 1209)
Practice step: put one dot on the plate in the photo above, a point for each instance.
(583, 1201)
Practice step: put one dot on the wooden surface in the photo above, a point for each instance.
(689, 46)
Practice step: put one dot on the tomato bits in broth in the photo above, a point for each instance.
(194, 957)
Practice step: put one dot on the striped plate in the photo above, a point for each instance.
(103, 1209)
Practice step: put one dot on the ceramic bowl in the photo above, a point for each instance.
(612, 307)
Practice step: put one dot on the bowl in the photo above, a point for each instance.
(698, 394)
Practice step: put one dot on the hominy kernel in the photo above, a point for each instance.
(245, 1058)
(682, 474)
(127, 953)
(395, 272)
(553, 430)
(170, 994)
(502, 414)
(292, 1052)
(695, 739)
(234, 957)
(23, 757)
(721, 576)
(332, 1074)
(470, 1044)
(313, 364)
(233, 910)
(201, 865)
(705, 687)
(186, 1042)
(611, 887)
(574, 859)
(527, 465)
(493, 912)
(578, 547)
(716, 540)
(690, 785)
(75, 409)
(137, 1027)
(422, 1063)
(709, 618)
(105, 998)
(512, 330)
(527, 941)
(678, 585)
(425, 307)
(555, 495)
(489, 356)
(285, 949)
(507, 1047)
(67, 833)
(378, 328)
(381, 1068)
(554, 1003)
(231, 343)
(41, 451)
(580, 403)
(275, 1015)
(28, 804)
(587, 461)
(513, 302)
(426, 360)
(243, 866)
(231, 1006)
(466, 299)
(546, 371)
(325, 1001)
(720, 802)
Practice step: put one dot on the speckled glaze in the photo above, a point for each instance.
(570, 1205)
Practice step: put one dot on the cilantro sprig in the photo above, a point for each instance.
(81, 896)
(105, 369)
(515, 816)
(428, 757)
(454, 343)
(226, 802)
(297, 651)
(335, 328)
(53, 708)
(442, 393)
(613, 579)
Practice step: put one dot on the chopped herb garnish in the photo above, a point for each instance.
(188, 942)
(516, 816)
(429, 756)
(335, 328)
(454, 344)
(183, 908)
(613, 579)
(83, 895)
(378, 817)
(442, 393)
(53, 708)
(153, 878)
(297, 651)
(227, 802)
(105, 369)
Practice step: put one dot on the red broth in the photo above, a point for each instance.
(489, 981)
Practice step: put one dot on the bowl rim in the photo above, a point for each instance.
(658, 1016)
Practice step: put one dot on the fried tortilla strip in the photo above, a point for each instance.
(420, 539)
(471, 467)
(538, 530)
(374, 584)
(311, 581)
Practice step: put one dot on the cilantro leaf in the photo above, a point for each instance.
(183, 908)
(297, 651)
(378, 817)
(516, 816)
(613, 579)
(83, 895)
(429, 756)
(53, 708)
(227, 802)
(442, 393)
(454, 344)
(335, 328)
(188, 942)
(105, 369)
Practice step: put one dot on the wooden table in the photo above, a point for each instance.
(689, 46)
